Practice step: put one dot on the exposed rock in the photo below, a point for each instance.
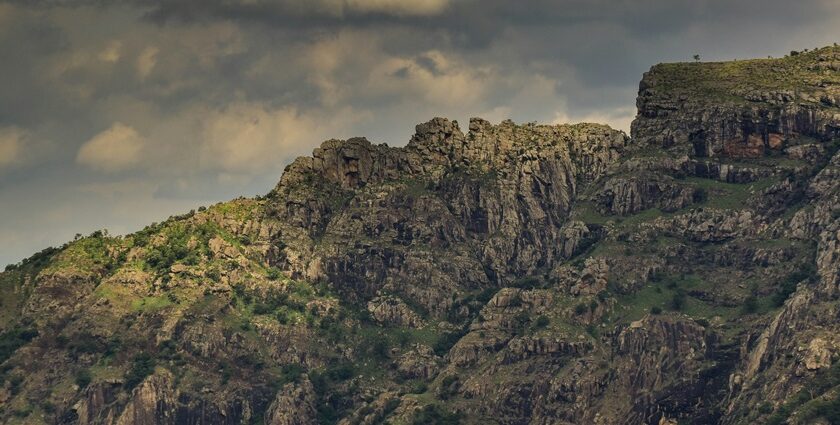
(392, 311)
(293, 405)
(419, 362)
(515, 274)
(153, 402)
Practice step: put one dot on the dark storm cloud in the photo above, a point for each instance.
(119, 113)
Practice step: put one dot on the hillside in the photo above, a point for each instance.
(512, 274)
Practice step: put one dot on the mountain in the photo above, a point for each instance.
(512, 274)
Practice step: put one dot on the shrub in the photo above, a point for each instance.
(655, 310)
(580, 309)
(788, 286)
(449, 387)
(700, 195)
(14, 383)
(341, 372)
(418, 387)
(375, 346)
(434, 415)
(13, 339)
(529, 282)
(227, 371)
(678, 300)
(83, 378)
(446, 341)
(22, 412)
(541, 322)
(274, 273)
(214, 274)
(750, 304)
(142, 366)
(485, 295)
(48, 407)
(765, 408)
(290, 372)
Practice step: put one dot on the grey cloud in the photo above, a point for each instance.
(192, 77)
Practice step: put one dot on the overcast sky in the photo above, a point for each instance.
(115, 114)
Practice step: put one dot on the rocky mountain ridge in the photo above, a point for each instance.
(515, 274)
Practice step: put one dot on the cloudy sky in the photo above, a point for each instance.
(114, 114)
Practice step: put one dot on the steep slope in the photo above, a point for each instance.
(513, 274)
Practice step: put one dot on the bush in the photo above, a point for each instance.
(418, 387)
(142, 366)
(14, 383)
(446, 342)
(11, 340)
(788, 286)
(765, 408)
(83, 378)
(699, 196)
(750, 304)
(449, 387)
(291, 372)
(541, 322)
(655, 310)
(529, 282)
(678, 300)
(341, 372)
(485, 295)
(214, 274)
(434, 415)
(274, 273)
(376, 346)
(580, 309)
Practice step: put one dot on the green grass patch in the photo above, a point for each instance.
(732, 196)
(151, 304)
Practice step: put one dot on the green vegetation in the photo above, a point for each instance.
(750, 305)
(447, 341)
(83, 378)
(13, 339)
(788, 286)
(434, 414)
(87, 255)
(677, 299)
(725, 81)
(177, 246)
(820, 399)
(331, 403)
(731, 196)
(142, 365)
(148, 304)
(541, 322)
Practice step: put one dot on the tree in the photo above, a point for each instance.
(696, 58)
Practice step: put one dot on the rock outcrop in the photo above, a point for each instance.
(512, 274)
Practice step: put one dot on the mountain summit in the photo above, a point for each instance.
(512, 274)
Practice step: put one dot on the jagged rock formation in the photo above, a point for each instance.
(512, 274)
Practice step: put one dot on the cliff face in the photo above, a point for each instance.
(513, 274)
(496, 200)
